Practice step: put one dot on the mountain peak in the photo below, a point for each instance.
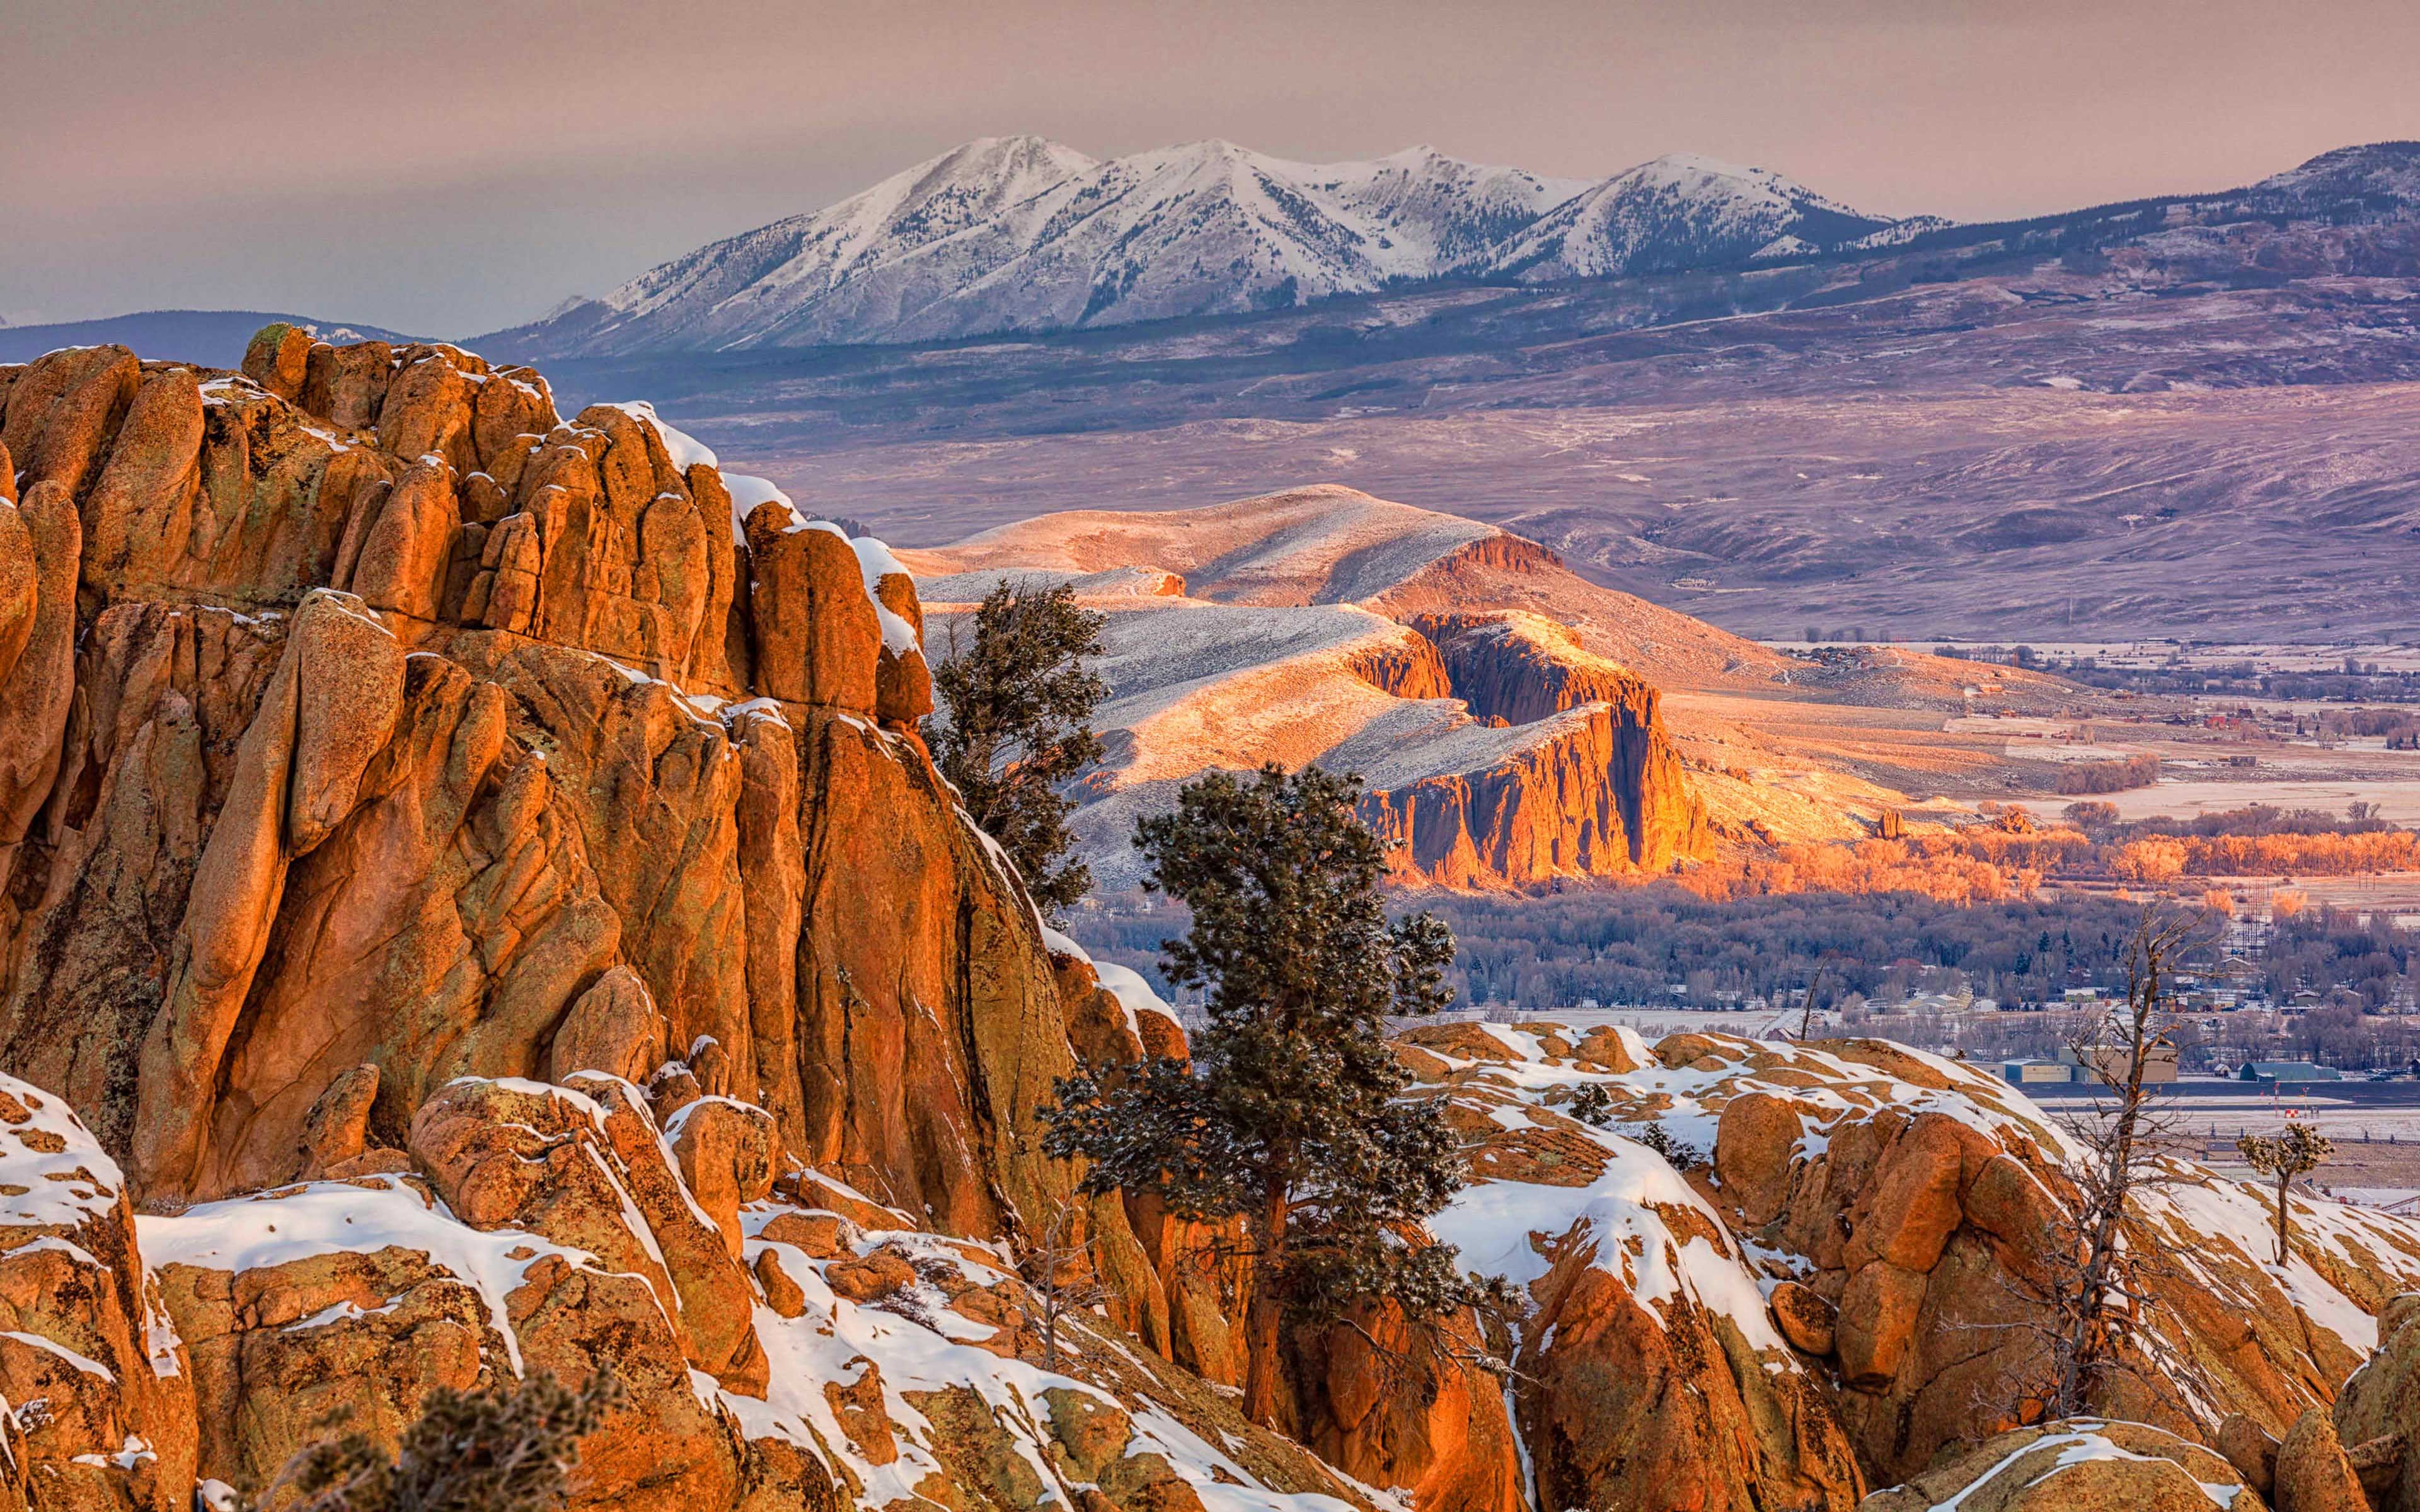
(1683, 210)
(1004, 155)
(1023, 233)
(2391, 169)
(1698, 162)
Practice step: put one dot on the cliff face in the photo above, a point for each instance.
(1586, 793)
(413, 794)
(1520, 667)
(1239, 672)
(407, 819)
(1545, 813)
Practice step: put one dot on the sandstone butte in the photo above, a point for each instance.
(473, 901)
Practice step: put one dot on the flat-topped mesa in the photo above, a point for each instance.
(1599, 790)
(1585, 794)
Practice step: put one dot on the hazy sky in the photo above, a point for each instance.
(446, 166)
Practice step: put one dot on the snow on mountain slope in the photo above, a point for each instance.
(1680, 211)
(736, 292)
(1259, 632)
(1425, 211)
(1200, 229)
(1319, 544)
(2383, 171)
(1195, 685)
(1326, 544)
(1024, 234)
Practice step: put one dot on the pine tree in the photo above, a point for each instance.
(1019, 709)
(499, 1450)
(1290, 1116)
(2283, 1157)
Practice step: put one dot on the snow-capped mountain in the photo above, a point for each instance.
(740, 291)
(1024, 234)
(1677, 213)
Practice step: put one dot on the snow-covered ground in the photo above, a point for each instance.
(1523, 1076)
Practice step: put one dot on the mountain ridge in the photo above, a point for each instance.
(1022, 236)
(215, 338)
(1005, 233)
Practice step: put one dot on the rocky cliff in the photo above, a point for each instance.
(1547, 812)
(1502, 753)
(471, 883)
(1774, 1276)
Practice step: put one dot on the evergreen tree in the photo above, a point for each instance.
(2301, 1149)
(1290, 1116)
(1019, 709)
(499, 1450)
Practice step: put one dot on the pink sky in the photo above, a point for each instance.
(449, 166)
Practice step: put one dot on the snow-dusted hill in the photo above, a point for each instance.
(1023, 234)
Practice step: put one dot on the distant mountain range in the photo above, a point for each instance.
(1022, 236)
(214, 338)
(1025, 236)
(1021, 233)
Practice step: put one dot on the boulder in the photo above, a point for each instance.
(725, 1149)
(870, 1277)
(18, 596)
(2378, 1414)
(614, 1028)
(83, 1330)
(1097, 1023)
(278, 358)
(784, 1295)
(1756, 1143)
(1805, 1319)
(902, 684)
(140, 516)
(1627, 1402)
(857, 1402)
(2251, 1449)
(347, 385)
(1608, 1049)
(2078, 1465)
(817, 638)
(406, 546)
(336, 1132)
(62, 410)
(1405, 1402)
(822, 1236)
(2313, 1472)
(39, 685)
(427, 412)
